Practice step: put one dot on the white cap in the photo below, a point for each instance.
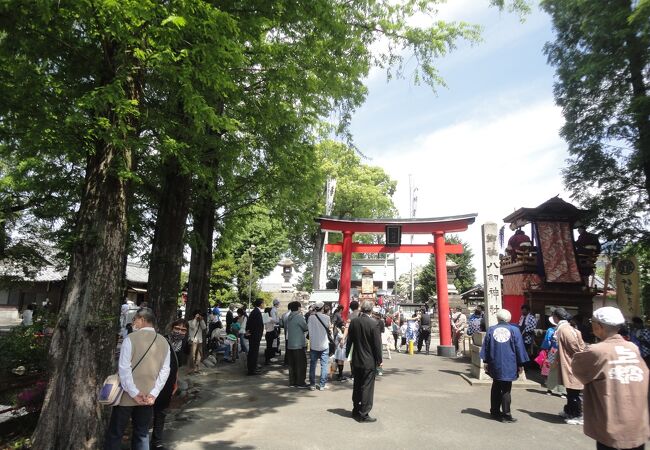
(609, 315)
(319, 305)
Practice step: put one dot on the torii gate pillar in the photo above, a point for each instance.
(346, 273)
(445, 348)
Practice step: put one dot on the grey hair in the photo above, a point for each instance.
(503, 315)
(147, 315)
(610, 330)
(367, 306)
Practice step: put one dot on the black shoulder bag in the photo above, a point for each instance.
(332, 345)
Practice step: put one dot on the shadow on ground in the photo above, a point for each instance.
(545, 417)
(541, 391)
(222, 445)
(396, 371)
(237, 397)
(477, 413)
(341, 412)
(454, 372)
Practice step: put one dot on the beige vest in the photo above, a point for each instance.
(144, 376)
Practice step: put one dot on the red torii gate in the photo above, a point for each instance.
(437, 226)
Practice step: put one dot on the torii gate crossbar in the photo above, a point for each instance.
(435, 226)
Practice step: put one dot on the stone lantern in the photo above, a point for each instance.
(452, 267)
(287, 270)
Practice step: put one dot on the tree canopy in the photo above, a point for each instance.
(465, 273)
(601, 55)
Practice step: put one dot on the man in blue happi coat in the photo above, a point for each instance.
(504, 355)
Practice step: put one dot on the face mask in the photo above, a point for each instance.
(177, 335)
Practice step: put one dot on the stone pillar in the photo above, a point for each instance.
(491, 273)
(475, 350)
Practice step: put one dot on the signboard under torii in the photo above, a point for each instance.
(367, 285)
(491, 273)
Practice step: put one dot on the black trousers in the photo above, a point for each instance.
(270, 349)
(297, 360)
(159, 415)
(424, 337)
(363, 391)
(600, 446)
(500, 397)
(573, 406)
(253, 353)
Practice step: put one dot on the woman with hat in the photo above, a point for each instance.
(569, 342)
(549, 369)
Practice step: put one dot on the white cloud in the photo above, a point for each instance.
(490, 163)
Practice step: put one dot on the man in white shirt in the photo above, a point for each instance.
(143, 369)
(275, 317)
(318, 326)
(458, 325)
(124, 314)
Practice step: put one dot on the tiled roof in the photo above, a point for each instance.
(135, 272)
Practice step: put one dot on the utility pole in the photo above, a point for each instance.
(330, 190)
(251, 252)
(413, 202)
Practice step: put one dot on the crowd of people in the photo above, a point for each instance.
(605, 384)
(599, 382)
(149, 363)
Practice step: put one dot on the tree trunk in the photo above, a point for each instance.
(82, 351)
(3, 237)
(201, 259)
(315, 258)
(167, 248)
(83, 346)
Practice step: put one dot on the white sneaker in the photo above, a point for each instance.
(574, 421)
(323, 388)
(563, 415)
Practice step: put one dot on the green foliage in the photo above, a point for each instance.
(601, 55)
(267, 297)
(24, 346)
(305, 279)
(361, 191)
(231, 268)
(222, 275)
(465, 273)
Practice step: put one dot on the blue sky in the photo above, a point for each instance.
(488, 143)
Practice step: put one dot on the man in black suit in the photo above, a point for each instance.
(424, 337)
(254, 332)
(364, 341)
(230, 318)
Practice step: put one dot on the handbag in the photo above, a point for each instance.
(332, 345)
(551, 356)
(541, 358)
(111, 392)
